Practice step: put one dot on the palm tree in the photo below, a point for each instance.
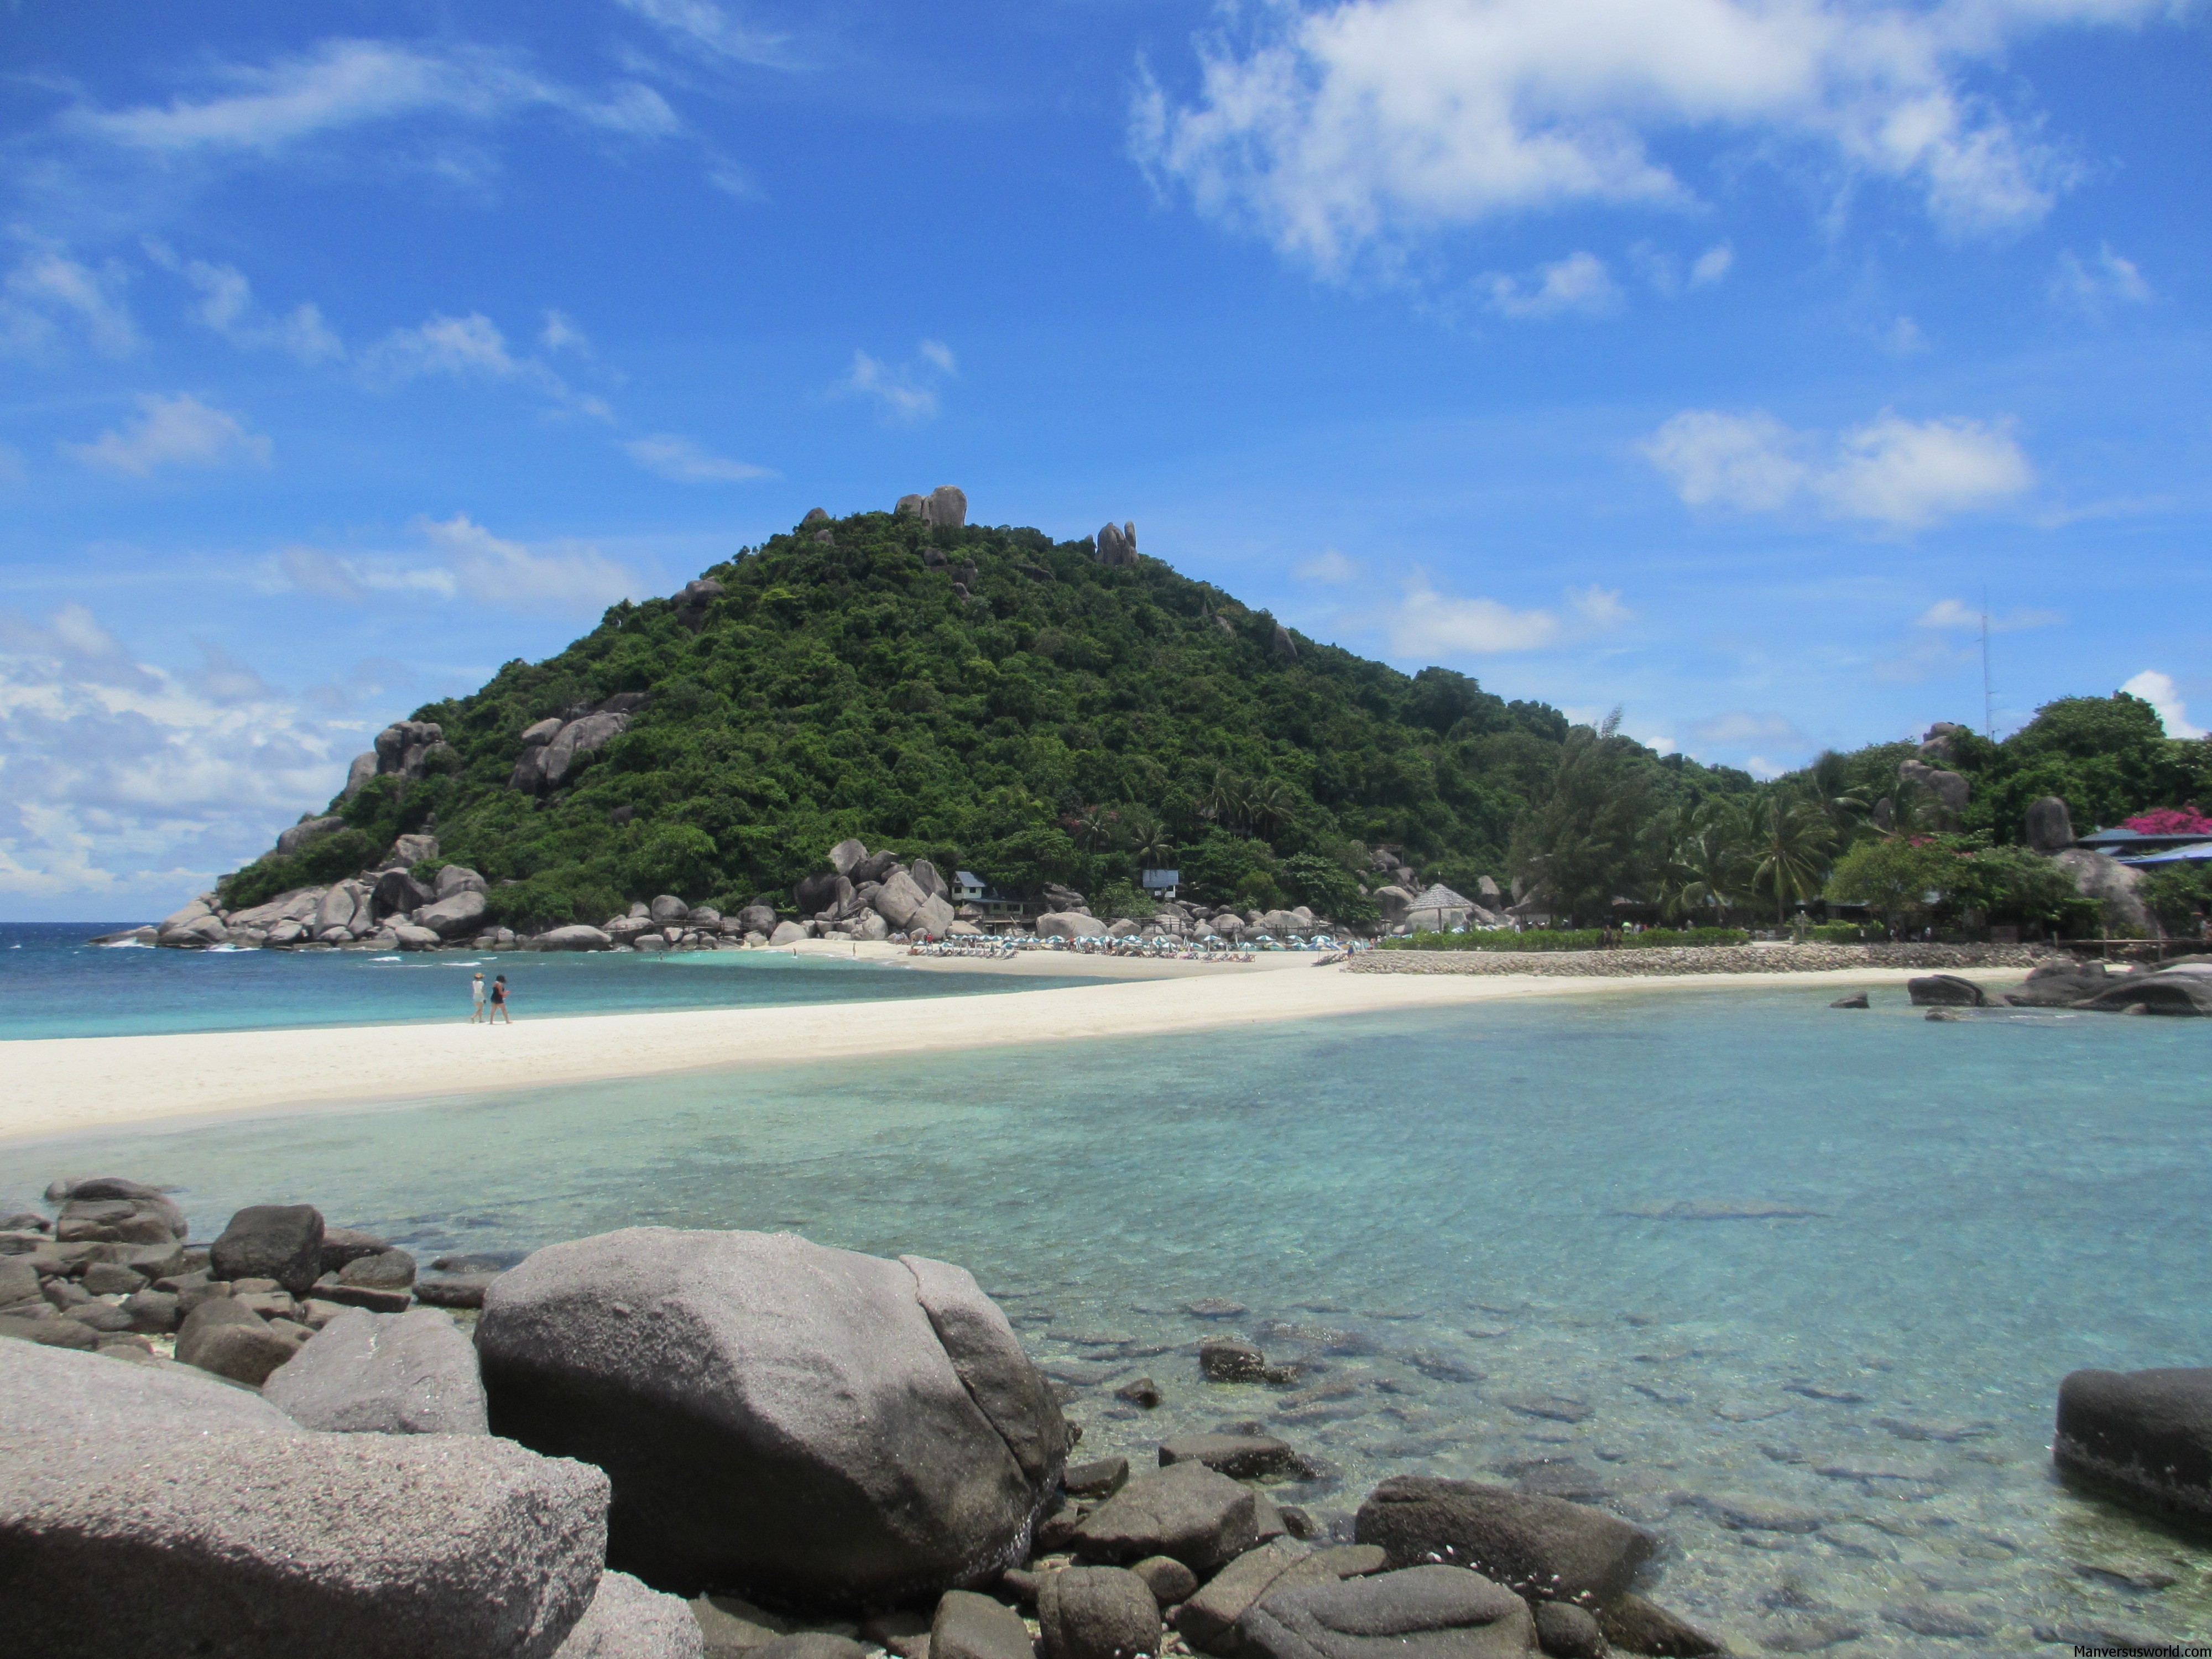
(1149, 840)
(1270, 805)
(1706, 864)
(1223, 799)
(1790, 837)
(1093, 827)
(1828, 781)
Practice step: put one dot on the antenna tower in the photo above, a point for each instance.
(1988, 702)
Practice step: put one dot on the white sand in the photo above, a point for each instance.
(68, 1085)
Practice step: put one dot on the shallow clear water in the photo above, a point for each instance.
(1447, 1214)
(52, 984)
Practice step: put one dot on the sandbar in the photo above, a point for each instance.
(58, 1086)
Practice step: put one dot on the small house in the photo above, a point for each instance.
(1161, 884)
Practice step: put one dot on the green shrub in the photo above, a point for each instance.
(553, 900)
(1120, 900)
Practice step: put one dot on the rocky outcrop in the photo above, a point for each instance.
(1069, 924)
(2050, 825)
(403, 749)
(1117, 545)
(291, 841)
(691, 603)
(451, 918)
(1282, 644)
(2112, 884)
(1946, 991)
(944, 508)
(774, 1415)
(1950, 790)
(543, 766)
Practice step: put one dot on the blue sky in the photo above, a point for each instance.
(1708, 357)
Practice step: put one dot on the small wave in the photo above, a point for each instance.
(388, 958)
(225, 949)
(460, 965)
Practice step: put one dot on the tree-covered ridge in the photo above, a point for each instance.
(985, 697)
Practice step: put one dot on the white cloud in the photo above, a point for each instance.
(1600, 607)
(1956, 616)
(709, 30)
(1328, 565)
(343, 84)
(128, 785)
(470, 348)
(2160, 691)
(905, 393)
(1427, 623)
(682, 461)
(314, 570)
(564, 577)
(178, 431)
(1891, 471)
(2094, 285)
(1338, 126)
(48, 289)
(562, 334)
(1910, 473)
(1739, 727)
(1902, 338)
(227, 306)
(1578, 283)
(1712, 266)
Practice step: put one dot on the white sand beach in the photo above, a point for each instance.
(72, 1085)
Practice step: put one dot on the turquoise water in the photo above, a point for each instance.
(53, 984)
(1837, 1417)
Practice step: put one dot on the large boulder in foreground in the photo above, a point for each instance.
(369, 1373)
(626, 1620)
(1545, 1548)
(2144, 1437)
(259, 1546)
(282, 1242)
(1436, 1612)
(1068, 924)
(814, 1426)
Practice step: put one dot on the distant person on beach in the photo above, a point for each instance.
(499, 1001)
(477, 1000)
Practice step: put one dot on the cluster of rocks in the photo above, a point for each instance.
(403, 750)
(1069, 917)
(112, 1272)
(2181, 986)
(550, 746)
(944, 508)
(873, 895)
(386, 908)
(827, 1454)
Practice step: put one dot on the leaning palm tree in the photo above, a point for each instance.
(1223, 799)
(1790, 837)
(1149, 840)
(1828, 781)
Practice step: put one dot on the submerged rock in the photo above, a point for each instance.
(2144, 1437)
(1544, 1548)
(1447, 1611)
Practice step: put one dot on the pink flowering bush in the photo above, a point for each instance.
(2172, 821)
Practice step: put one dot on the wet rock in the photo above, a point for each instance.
(1215, 1307)
(1170, 1582)
(1945, 990)
(153, 1313)
(385, 1270)
(343, 1244)
(971, 1627)
(831, 1428)
(1240, 1456)
(282, 1242)
(232, 1341)
(1857, 999)
(1553, 1407)
(628, 1621)
(365, 1373)
(2172, 991)
(260, 1545)
(1353, 1560)
(1097, 1612)
(1544, 1548)
(1564, 1631)
(454, 1289)
(1762, 1515)
(1203, 1519)
(1448, 1612)
(1930, 1617)
(1809, 1632)
(2142, 1438)
(1101, 1478)
(1224, 1359)
(1207, 1621)
(1644, 1626)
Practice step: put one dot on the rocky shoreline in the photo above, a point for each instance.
(656, 1444)
(1699, 959)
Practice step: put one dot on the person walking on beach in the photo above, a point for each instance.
(477, 1000)
(499, 1001)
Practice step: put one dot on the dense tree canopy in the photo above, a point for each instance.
(1068, 721)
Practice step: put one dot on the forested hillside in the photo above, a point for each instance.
(986, 697)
